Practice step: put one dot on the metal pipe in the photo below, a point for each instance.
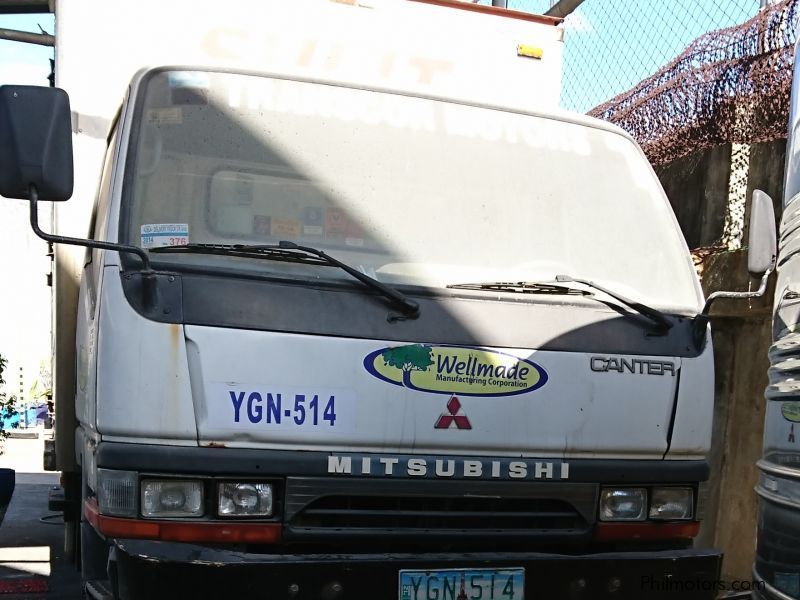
(33, 196)
(563, 7)
(500, 3)
(42, 39)
(149, 293)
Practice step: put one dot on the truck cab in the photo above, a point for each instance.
(500, 396)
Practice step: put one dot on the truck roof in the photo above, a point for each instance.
(483, 8)
(460, 50)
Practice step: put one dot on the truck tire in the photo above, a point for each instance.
(91, 549)
(93, 554)
(7, 483)
(72, 543)
(72, 514)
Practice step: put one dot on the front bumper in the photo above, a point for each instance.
(152, 570)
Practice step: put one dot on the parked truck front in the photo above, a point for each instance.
(390, 344)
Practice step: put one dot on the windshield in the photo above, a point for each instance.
(407, 190)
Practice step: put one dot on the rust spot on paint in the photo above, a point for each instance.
(214, 445)
(174, 336)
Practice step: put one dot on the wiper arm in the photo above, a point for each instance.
(408, 307)
(656, 316)
(289, 252)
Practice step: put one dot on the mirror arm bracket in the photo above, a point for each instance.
(701, 320)
(762, 288)
(148, 275)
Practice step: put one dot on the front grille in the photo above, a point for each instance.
(396, 506)
(439, 513)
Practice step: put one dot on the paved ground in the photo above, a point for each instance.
(31, 550)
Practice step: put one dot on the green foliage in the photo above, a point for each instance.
(38, 391)
(7, 403)
(414, 357)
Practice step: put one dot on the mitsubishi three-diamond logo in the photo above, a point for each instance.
(451, 418)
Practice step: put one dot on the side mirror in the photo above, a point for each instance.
(761, 259)
(35, 142)
(36, 162)
(762, 244)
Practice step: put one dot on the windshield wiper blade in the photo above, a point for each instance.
(290, 252)
(656, 316)
(241, 250)
(537, 287)
(522, 287)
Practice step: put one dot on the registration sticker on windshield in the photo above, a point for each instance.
(158, 235)
(165, 116)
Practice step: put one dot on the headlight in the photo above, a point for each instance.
(116, 492)
(172, 498)
(623, 504)
(671, 503)
(244, 499)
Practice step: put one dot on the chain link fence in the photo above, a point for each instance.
(611, 45)
(728, 86)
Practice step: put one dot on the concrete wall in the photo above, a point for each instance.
(742, 333)
(697, 186)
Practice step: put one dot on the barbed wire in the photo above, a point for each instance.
(728, 86)
(611, 46)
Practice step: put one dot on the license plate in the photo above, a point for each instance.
(463, 584)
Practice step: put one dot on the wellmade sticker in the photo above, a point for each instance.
(462, 370)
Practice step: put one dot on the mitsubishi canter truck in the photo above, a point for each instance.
(361, 313)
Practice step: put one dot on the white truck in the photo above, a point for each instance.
(362, 314)
(777, 561)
